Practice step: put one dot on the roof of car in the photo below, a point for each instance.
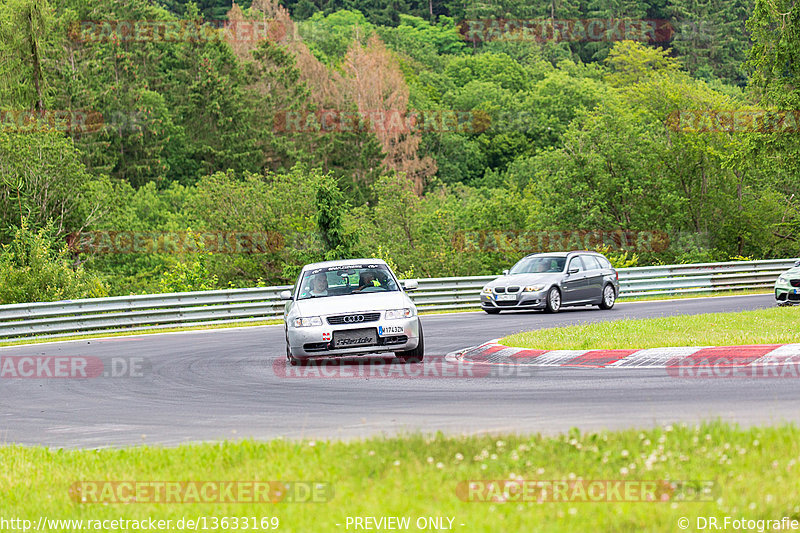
(345, 262)
(564, 254)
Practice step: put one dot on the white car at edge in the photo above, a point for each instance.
(351, 307)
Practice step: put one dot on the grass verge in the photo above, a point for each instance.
(753, 471)
(764, 326)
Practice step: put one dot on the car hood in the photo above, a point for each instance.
(794, 271)
(333, 305)
(526, 279)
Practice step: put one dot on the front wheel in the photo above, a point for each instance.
(294, 361)
(553, 302)
(417, 354)
(609, 297)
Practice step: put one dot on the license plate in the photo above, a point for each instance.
(354, 337)
(795, 291)
(506, 297)
(390, 330)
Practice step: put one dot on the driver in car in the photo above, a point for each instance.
(367, 279)
(319, 285)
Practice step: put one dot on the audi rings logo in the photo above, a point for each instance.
(352, 319)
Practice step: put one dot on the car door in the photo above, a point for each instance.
(574, 283)
(594, 278)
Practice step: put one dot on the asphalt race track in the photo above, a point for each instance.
(210, 385)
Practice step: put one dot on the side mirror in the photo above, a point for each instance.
(573, 271)
(505, 272)
(286, 295)
(410, 284)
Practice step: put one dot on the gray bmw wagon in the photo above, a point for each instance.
(553, 280)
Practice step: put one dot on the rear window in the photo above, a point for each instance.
(591, 262)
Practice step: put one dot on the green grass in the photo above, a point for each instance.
(754, 473)
(764, 326)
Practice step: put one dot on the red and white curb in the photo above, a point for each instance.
(494, 353)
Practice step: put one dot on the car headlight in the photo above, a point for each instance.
(486, 290)
(392, 314)
(534, 288)
(307, 321)
(783, 278)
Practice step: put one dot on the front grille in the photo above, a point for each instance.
(794, 297)
(512, 289)
(499, 290)
(782, 297)
(795, 282)
(343, 319)
(506, 304)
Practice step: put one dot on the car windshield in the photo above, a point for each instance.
(348, 279)
(539, 264)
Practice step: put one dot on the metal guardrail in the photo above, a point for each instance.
(158, 311)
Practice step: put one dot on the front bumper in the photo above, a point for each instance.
(786, 294)
(392, 336)
(522, 300)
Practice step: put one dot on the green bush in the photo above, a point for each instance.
(36, 267)
(191, 274)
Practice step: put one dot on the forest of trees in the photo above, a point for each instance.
(136, 118)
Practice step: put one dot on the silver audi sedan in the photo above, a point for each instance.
(553, 280)
(350, 308)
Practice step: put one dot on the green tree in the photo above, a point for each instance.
(774, 63)
(711, 38)
(329, 37)
(41, 179)
(25, 42)
(36, 267)
(190, 272)
(331, 207)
